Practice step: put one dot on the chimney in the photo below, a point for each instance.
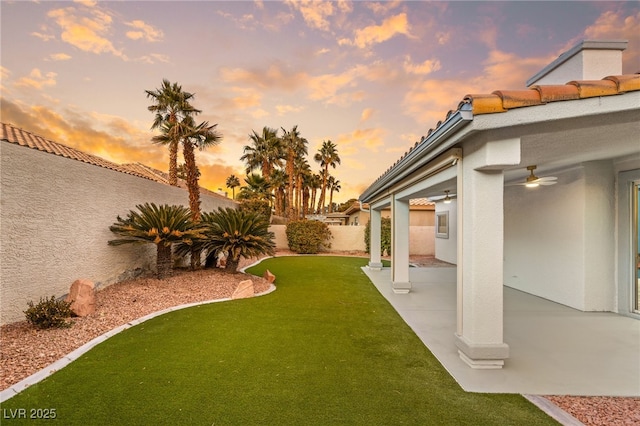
(588, 60)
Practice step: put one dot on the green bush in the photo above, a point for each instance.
(257, 206)
(385, 236)
(49, 313)
(308, 236)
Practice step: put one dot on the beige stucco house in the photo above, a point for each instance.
(574, 242)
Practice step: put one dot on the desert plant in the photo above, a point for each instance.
(258, 206)
(49, 313)
(234, 233)
(161, 225)
(308, 236)
(385, 236)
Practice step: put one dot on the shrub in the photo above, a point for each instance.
(257, 206)
(385, 236)
(308, 236)
(234, 233)
(49, 313)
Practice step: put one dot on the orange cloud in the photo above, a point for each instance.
(423, 68)
(37, 80)
(59, 57)
(142, 30)
(614, 25)
(366, 114)
(86, 32)
(315, 13)
(376, 34)
(275, 76)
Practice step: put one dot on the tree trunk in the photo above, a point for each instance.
(163, 260)
(173, 163)
(232, 264)
(192, 180)
(290, 169)
(331, 201)
(323, 190)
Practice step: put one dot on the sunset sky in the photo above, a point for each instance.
(372, 77)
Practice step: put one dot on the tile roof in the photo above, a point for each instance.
(18, 136)
(503, 100)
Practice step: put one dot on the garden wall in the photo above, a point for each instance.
(54, 225)
(351, 238)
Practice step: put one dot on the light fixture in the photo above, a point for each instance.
(532, 180)
(447, 199)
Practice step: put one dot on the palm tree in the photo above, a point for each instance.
(163, 226)
(171, 106)
(264, 153)
(257, 187)
(233, 182)
(315, 183)
(192, 136)
(334, 185)
(302, 170)
(327, 156)
(279, 181)
(295, 146)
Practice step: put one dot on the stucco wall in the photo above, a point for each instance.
(55, 217)
(560, 239)
(446, 249)
(351, 238)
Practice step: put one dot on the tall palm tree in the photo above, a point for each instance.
(279, 181)
(233, 182)
(302, 170)
(327, 156)
(192, 136)
(265, 151)
(334, 185)
(315, 183)
(171, 106)
(295, 146)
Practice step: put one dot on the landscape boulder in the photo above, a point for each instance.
(268, 275)
(82, 296)
(244, 290)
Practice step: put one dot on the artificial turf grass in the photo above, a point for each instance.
(325, 348)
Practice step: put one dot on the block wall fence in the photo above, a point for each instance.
(55, 215)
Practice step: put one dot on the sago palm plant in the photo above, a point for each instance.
(163, 226)
(235, 234)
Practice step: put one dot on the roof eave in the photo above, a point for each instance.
(421, 154)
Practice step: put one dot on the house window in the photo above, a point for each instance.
(442, 225)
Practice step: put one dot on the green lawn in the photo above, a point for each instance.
(324, 349)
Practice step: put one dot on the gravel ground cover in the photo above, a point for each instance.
(25, 350)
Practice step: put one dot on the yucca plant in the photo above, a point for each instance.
(234, 233)
(161, 225)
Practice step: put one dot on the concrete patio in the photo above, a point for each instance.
(554, 349)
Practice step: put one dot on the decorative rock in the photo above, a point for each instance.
(244, 290)
(269, 276)
(82, 296)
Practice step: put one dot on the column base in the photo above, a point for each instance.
(401, 288)
(375, 266)
(482, 356)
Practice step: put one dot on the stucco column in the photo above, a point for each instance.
(400, 246)
(375, 244)
(479, 335)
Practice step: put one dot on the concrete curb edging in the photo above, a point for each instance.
(72, 356)
(553, 410)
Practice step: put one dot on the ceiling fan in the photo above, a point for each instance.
(533, 181)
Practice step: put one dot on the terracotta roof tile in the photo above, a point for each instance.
(626, 83)
(595, 88)
(557, 93)
(518, 98)
(503, 100)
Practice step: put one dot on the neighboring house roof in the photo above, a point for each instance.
(18, 136)
(501, 101)
(414, 204)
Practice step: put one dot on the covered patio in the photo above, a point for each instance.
(554, 349)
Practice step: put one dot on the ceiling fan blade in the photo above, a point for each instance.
(547, 182)
(546, 178)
